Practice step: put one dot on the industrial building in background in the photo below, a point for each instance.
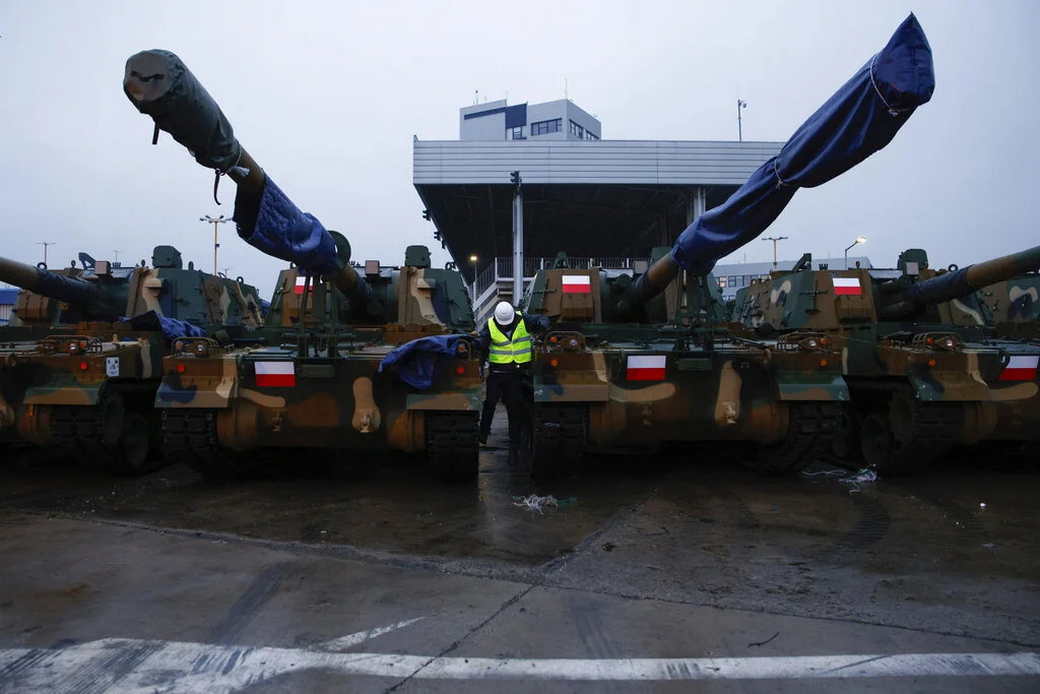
(733, 276)
(8, 295)
(525, 182)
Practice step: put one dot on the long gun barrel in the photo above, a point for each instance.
(959, 283)
(160, 85)
(88, 298)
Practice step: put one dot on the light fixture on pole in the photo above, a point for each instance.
(473, 286)
(214, 221)
(858, 241)
(45, 244)
(774, 239)
(740, 130)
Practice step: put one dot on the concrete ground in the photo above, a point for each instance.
(674, 573)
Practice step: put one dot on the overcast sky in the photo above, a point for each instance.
(327, 97)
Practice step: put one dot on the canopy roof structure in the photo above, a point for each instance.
(600, 198)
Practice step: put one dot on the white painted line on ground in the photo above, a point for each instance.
(345, 642)
(140, 667)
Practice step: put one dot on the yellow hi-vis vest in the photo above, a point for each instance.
(505, 352)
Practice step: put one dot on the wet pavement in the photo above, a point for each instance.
(307, 578)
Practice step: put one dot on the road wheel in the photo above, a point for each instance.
(909, 436)
(810, 438)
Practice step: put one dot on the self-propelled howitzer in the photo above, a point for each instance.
(924, 371)
(357, 358)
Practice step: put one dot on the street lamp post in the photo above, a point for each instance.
(740, 129)
(858, 241)
(45, 244)
(774, 239)
(214, 221)
(473, 285)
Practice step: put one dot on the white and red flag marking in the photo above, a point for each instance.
(301, 280)
(1022, 368)
(847, 286)
(577, 284)
(275, 374)
(646, 368)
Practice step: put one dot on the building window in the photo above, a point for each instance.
(722, 282)
(590, 136)
(577, 131)
(733, 281)
(515, 133)
(544, 127)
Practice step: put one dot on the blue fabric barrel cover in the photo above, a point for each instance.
(285, 232)
(416, 361)
(859, 119)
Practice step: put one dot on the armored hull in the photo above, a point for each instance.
(924, 373)
(88, 386)
(631, 387)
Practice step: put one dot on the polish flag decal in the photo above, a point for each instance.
(648, 368)
(847, 286)
(301, 280)
(275, 374)
(1020, 369)
(577, 284)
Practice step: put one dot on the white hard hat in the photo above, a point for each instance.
(504, 313)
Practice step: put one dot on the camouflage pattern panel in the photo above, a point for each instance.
(72, 369)
(941, 367)
(809, 300)
(423, 297)
(31, 308)
(1018, 412)
(808, 367)
(450, 300)
(294, 292)
(267, 397)
(572, 296)
(1013, 301)
(199, 373)
(193, 296)
(966, 311)
(639, 396)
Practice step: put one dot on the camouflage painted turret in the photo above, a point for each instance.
(604, 382)
(924, 370)
(319, 382)
(80, 367)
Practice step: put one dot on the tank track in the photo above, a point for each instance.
(83, 430)
(560, 433)
(452, 446)
(190, 436)
(810, 439)
(930, 432)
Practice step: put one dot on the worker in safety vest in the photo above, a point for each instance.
(506, 344)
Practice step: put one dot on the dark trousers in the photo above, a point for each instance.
(515, 390)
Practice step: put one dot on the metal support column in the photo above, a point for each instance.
(518, 239)
(698, 204)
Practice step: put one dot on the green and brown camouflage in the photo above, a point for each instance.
(316, 384)
(76, 373)
(675, 376)
(924, 372)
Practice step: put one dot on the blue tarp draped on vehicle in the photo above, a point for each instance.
(416, 360)
(171, 328)
(285, 232)
(858, 120)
